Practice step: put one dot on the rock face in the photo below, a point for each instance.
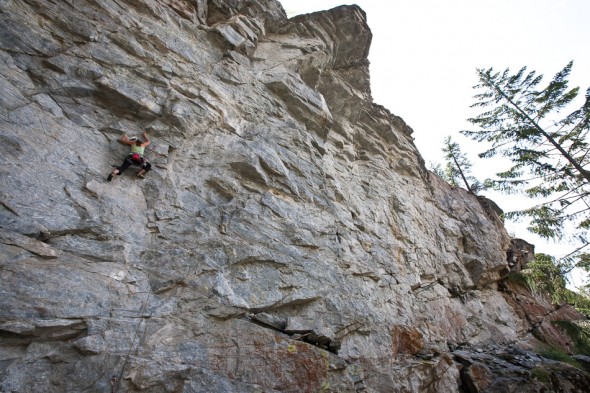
(288, 239)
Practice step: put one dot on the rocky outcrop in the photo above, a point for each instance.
(289, 238)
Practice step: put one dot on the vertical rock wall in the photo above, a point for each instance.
(288, 239)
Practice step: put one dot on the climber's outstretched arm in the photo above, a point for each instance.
(146, 140)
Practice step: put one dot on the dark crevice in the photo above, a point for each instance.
(45, 334)
(46, 236)
(308, 336)
(9, 209)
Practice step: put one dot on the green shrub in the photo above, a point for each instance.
(579, 335)
(559, 355)
(518, 278)
(540, 374)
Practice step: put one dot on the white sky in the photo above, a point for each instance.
(424, 55)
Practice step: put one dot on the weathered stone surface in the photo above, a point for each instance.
(288, 239)
(270, 320)
(406, 341)
(26, 243)
(506, 370)
(584, 361)
(519, 254)
(91, 345)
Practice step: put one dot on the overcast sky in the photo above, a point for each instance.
(425, 53)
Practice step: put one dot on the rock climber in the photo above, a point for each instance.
(135, 157)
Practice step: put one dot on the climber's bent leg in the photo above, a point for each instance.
(146, 166)
(120, 169)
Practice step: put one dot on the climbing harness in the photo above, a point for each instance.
(136, 158)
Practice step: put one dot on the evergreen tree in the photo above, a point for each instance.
(549, 152)
(458, 168)
(546, 276)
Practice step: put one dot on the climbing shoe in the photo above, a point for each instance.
(110, 177)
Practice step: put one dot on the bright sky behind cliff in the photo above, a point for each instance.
(424, 55)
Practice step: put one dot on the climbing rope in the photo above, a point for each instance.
(118, 377)
(115, 380)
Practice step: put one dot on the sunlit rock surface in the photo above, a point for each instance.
(288, 239)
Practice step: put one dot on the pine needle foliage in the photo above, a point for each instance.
(457, 170)
(547, 147)
(544, 275)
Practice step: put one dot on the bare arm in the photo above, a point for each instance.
(146, 140)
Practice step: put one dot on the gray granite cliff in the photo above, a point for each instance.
(288, 239)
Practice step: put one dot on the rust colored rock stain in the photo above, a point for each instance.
(406, 340)
(280, 364)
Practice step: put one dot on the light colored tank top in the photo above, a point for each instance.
(137, 149)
